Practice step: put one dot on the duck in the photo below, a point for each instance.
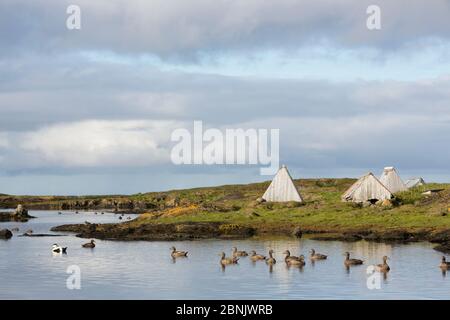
(128, 218)
(383, 267)
(444, 264)
(300, 262)
(271, 260)
(237, 253)
(58, 249)
(351, 262)
(59, 212)
(120, 218)
(289, 257)
(89, 244)
(256, 257)
(317, 256)
(176, 254)
(103, 213)
(15, 229)
(28, 232)
(224, 260)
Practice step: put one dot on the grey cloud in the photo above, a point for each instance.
(186, 29)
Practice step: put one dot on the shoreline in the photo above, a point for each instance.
(236, 211)
(221, 231)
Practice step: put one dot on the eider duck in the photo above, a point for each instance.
(383, 267)
(351, 262)
(89, 244)
(176, 254)
(58, 249)
(300, 262)
(444, 264)
(256, 257)
(224, 260)
(289, 257)
(271, 259)
(237, 253)
(317, 256)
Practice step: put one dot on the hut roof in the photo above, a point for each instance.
(282, 188)
(368, 187)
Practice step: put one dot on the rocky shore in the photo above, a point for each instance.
(20, 214)
(159, 231)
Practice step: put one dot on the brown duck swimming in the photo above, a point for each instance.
(89, 244)
(237, 253)
(256, 257)
(176, 254)
(317, 256)
(351, 262)
(444, 264)
(289, 257)
(224, 260)
(271, 259)
(384, 267)
(300, 262)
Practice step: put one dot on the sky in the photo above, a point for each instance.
(91, 111)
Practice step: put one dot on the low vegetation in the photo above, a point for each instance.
(236, 205)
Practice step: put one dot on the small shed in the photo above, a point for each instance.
(367, 188)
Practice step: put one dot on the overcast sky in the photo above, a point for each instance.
(91, 111)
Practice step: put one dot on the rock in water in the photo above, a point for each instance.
(21, 211)
(297, 232)
(5, 234)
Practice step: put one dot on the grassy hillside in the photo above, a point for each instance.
(323, 211)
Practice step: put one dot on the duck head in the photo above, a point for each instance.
(287, 252)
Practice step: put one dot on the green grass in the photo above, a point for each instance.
(322, 211)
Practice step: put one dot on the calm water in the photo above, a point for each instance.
(144, 270)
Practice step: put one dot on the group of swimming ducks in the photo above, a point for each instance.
(294, 260)
(270, 260)
(63, 250)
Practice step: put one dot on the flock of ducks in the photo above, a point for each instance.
(270, 260)
(296, 261)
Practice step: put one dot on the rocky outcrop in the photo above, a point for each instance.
(20, 214)
(5, 234)
(159, 231)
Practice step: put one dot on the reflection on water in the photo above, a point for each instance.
(146, 270)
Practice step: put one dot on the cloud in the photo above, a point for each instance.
(94, 143)
(187, 29)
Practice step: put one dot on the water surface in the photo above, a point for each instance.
(145, 270)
